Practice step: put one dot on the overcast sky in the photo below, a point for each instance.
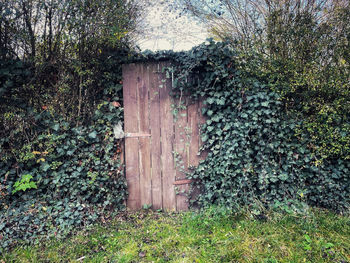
(167, 30)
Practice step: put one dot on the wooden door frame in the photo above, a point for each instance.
(153, 136)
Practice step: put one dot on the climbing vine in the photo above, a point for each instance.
(256, 155)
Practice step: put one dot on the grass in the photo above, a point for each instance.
(213, 236)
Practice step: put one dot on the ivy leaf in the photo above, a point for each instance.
(210, 128)
(210, 112)
(204, 137)
(45, 167)
(55, 127)
(210, 100)
(220, 101)
(283, 177)
(93, 135)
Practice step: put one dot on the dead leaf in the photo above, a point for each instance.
(116, 104)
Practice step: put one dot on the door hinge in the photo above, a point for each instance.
(185, 181)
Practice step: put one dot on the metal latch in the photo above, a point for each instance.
(119, 133)
(135, 135)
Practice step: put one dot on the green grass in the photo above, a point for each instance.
(213, 236)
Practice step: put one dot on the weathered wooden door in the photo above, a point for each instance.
(160, 143)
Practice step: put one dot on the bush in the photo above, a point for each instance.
(77, 174)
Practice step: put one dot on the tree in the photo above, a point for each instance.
(301, 48)
(54, 55)
(165, 28)
(48, 27)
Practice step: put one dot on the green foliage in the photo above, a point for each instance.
(256, 154)
(24, 184)
(61, 61)
(308, 64)
(78, 178)
(303, 49)
(60, 72)
(57, 116)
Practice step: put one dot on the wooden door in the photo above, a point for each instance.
(160, 146)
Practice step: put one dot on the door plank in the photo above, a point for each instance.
(132, 173)
(167, 140)
(131, 144)
(193, 123)
(157, 195)
(144, 142)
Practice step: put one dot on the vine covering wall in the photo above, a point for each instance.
(57, 175)
(256, 154)
(71, 176)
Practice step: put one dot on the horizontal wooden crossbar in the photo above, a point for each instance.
(135, 135)
(185, 181)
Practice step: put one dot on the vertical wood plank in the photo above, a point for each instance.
(131, 144)
(181, 147)
(157, 196)
(167, 140)
(130, 98)
(144, 142)
(132, 173)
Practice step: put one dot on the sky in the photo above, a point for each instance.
(169, 31)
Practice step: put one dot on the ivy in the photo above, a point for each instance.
(256, 154)
(70, 175)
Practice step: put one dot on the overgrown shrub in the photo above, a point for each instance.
(77, 174)
(60, 96)
(73, 162)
